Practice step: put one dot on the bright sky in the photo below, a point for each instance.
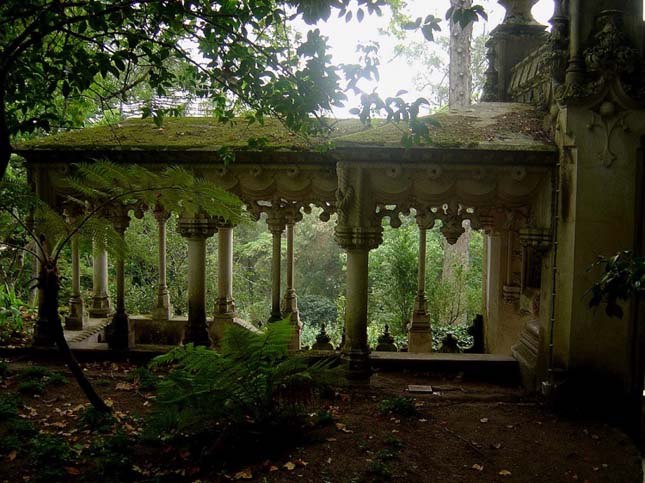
(396, 73)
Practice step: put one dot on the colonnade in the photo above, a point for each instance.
(198, 330)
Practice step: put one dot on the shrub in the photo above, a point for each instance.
(402, 406)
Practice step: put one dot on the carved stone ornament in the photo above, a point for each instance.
(539, 239)
(608, 119)
(510, 293)
(199, 227)
(608, 58)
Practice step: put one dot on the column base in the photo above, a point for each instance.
(76, 317)
(197, 335)
(163, 312)
(420, 340)
(294, 344)
(219, 325)
(100, 308)
(118, 333)
(356, 365)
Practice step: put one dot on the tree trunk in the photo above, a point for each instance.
(460, 82)
(455, 265)
(51, 284)
(5, 144)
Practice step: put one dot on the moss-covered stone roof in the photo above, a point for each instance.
(488, 126)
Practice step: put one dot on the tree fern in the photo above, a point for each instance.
(252, 381)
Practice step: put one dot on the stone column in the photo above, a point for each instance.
(290, 297)
(420, 330)
(225, 308)
(75, 319)
(163, 308)
(119, 334)
(100, 304)
(276, 225)
(358, 231)
(196, 230)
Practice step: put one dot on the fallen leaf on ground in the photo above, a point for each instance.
(71, 470)
(300, 462)
(483, 420)
(289, 465)
(331, 440)
(505, 473)
(477, 467)
(496, 445)
(12, 455)
(124, 386)
(343, 427)
(245, 474)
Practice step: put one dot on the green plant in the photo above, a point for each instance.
(251, 383)
(96, 420)
(379, 470)
(49, 455)
(393, 442)
(623, 275)
(55, 379)
(34, 372)
(112, 458)
(9, 406)
(10, 317)
(399, 405)
(31, 387)
(144, 378)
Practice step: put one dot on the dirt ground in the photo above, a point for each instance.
(462, 432)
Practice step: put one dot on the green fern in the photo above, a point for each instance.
(251, 381)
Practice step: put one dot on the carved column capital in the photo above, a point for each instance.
(349, 237)
(537, 238)
(197, 227)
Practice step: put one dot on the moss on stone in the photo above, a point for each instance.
(490, 125)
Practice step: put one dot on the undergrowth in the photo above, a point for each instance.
(251, 392)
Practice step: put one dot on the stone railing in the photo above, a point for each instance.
(530, 82)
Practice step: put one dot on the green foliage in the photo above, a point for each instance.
(623, 276)
(11, 323)
(144, 378)
(49, 455)
(112, 458)
(399, 405)
(35, 372)
(9, 406)
(31, 387)
(96, 420)
(252, 380)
